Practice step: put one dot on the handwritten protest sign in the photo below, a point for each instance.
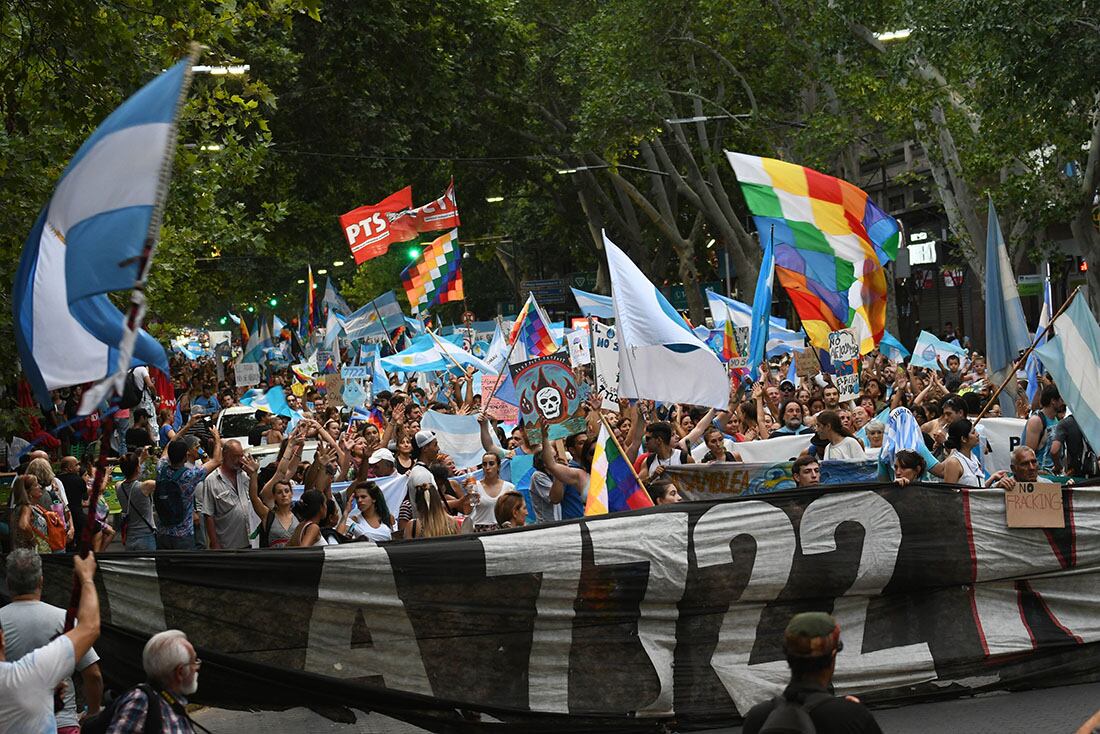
(805, 363)
(248, 374)
(497, 408)
(1034, 505)
(606, 359)
(547, 390)
(844, 354)
(741, 338)
(578, 348)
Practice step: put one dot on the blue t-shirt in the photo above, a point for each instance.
(209, 404)
(164, 435)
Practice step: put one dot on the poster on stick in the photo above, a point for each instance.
(547, 390)
(844, 354)
(605, 358)
(247, 373)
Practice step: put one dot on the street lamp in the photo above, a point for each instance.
(494, 199)
(338, 263)
(322, 271)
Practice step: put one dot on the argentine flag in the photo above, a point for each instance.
(593, 304)
(660, 358)
(89, 241)
(427, 355)
(781, 340)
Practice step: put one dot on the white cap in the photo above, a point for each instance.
(381, 455)
(423, 438)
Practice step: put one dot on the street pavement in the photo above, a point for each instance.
(1047, 710)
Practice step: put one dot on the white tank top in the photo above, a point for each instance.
(485, 512)
(970, 469)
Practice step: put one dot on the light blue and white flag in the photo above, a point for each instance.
(378, 318)
(334, 326)
(1034, 365)
(379, 379)
(891, 348)
(430, 353)
(593, 304)
(277, 325)
(332, 300)
(781, 340)
(497, 356)
(272, 401)
(660, 358)
(1005, 328)
(459, 437)
(761, 307)
(929, 348)
(1072, 357)
(259, 344)
(89, 241)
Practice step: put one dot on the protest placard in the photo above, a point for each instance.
(605, 357)
(1034, 505)
(248, 374)
(497, 408)
(579, 353)
(805, 363)
(547, 390)
(353, 394)
(844, 354)
(741, 340)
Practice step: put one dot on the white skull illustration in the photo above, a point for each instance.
(548, 400)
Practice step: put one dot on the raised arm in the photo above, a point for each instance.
(698, 431)
(216, 456)
(85, 633)
(561, 472)
(487, 439)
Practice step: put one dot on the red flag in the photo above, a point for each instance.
(439, 214)
(370, 230)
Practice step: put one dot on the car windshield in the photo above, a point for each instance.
(238, 424)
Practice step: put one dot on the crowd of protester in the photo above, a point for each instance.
(181, 486)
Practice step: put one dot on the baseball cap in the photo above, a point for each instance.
(786, 385)
(419, 475)
(811, 635)
(423, 438)
(381, 455)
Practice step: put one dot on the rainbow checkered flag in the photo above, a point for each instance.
(830, 244)
(613, 486)
(436, 276)
(531, 333)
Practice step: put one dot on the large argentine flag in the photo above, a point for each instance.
(89, 239)
(1072, 357)
(430, 353)
(1005, 328)
(660, 358)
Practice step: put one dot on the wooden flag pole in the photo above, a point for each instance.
(447, 354)
(1027, 353)
(622, 452)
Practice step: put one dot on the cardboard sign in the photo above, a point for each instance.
(497, 408)
(248, 374)
(334, 385)
(578, 348)
(805, 363)
(606, 361)
(547, 389)
(1034, 505)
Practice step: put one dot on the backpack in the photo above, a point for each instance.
(168, 500)
(792, 717)
(102, 720)
(55, 534)
(131, 392)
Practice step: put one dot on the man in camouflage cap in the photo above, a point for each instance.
(811, 643)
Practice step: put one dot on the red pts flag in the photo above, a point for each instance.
(439, 214)
(371, 230)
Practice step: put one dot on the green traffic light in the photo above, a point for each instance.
(222, 320)
(414, 253)
(274, 302)
(252, 309)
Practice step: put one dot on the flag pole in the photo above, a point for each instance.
(385, 329)
(622, 452)
(447, 354)
(1027, 353)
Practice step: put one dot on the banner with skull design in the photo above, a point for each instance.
(547, 389)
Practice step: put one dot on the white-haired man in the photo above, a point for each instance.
(172, 667)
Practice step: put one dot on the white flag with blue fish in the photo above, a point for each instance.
(660, 358)
(95, 236)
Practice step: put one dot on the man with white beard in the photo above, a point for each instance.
(170, 663)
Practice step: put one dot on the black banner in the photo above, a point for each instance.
(628, 621)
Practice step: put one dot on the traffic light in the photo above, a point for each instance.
(222, 320)
(252, 309)
(414, 252)
(1083, 266)
(273, 302)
